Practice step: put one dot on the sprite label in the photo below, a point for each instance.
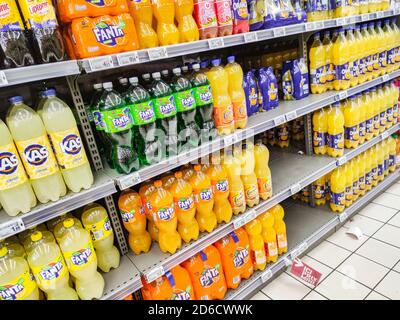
(117, 120)
(164, 107)
(185, 100)
(202, 95)
(142, 113)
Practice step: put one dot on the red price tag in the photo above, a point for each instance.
(305, 272)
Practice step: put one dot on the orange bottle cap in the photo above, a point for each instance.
(178, 174)
(197, 167)
(158, 183)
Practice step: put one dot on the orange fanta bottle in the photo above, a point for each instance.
(269, 235)
(205, 271)
(164, 216)
(185, 209)
(235, 256)
(145, 191)
(188, 30)
(164, 13)
(258, 255)
(203, 199)
(280, 228)
(134, 219)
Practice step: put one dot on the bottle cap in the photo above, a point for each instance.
(49, 93)
(196, 67)
(158, 183)
(230, 59)
(176, 71)
(68, 223)
(3, 251)
(165, 72)
(107, 85)
(197, 167)
(185, 69)
(156, 75)
(146, 76)
(36, 236)
(123, 81)
(216, 62)
(178, 174)
(133, 80)
(16, 99)
(98, 86)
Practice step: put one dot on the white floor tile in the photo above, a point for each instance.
(394, 189)
(395, 221)
(397, 267)
(368, 226)
(286, 288)
(339, 287)
(344, 240)
(388, 200)
(375, 296)
(389, 234)
(378, 212)
(313, 295)
(390, 286)
(363, 270)
(380, 252)
(259, 296)
(329, 254)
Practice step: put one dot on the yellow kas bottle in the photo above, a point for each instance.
(341, 61)
(317, 66)
(388, 105)
(320, 131)
(349, 184)
(256, 242)
(374, 165)
(262, 171)
(351, 124)
(338, 189)
(280, 228)
(392, 153)
(335, 131)
(383, 44)
(386, 147)
(269, 236)
(360, 54)
(376, 50)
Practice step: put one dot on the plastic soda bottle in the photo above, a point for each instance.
(118, 123)
(142, 13)
(354, 62)
(16, 282)
(220, 186)
(14, 247)
(182, 193)
(317, 66)
(341, 61)
(49, 268)
(223, 110)
(30, 136)
(145, 192)
(329, 68)
(62, 129)
(16, 193)
(351, 124)
(206, 18)
(362, 125)
(360, 55)
(134, 220)
(375, 104)
(382, 108)
(269, 235)
(188, 30)
(386, 148)
(335, 131)
(280, 228)
(223, 9)
(338, 189)
(256, 242)
(248, 176)
(368, 170)
(320, 131)
(319, 187)
(392, 153)
(348, 173)
(164, 12)
(361, 173)
(262, 171)
(236, 92)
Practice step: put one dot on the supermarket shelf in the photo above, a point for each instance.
(287, 111)
(10, 77)
(306, 226)
(103, 186)
(290, 173)
(141, 56)
(122, 281)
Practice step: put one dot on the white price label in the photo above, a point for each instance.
(351, 20)
(157, 53)
(3, 78)
(130, 180)
(385, 78)
(343, 95)
(397, 10)
(340, 21)
(266, 275)
(231, 139)
(299, 250)
(216, 43)
(341, 161)
(319, 24)
(251, 215)
(384, 135)
(295, 188)
(279, 32)
(379, 14)
(365, 17)
(287, 261)
(291, 116)
(343, 216)
(154, 274)
(11, 227)
(250, 37)
(279, 120)
(310, 26)
(100, 63)
(127, 58)
(240, 221)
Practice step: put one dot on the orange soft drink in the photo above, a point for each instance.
(188, 30)
(280, 228)
(164, 13)
(269, 235)
(145, 191)
(256, 241)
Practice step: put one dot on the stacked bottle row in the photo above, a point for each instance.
(281, 135)
(221, 266)
(52, 153)
(352, 121)
(353, 55)
(45, 257)
(196, 198)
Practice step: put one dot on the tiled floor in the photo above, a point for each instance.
(352, 269)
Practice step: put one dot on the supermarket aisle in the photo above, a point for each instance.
(368, 268)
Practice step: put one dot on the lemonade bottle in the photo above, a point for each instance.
(96, 221)
(368, 52)
(353, 63)
(361, 164)
(338, 189)
(16, 193)
(341, 61)
(182, 193)
(248, 177)
(164, 13)
(78, 252)
(390, 37)
(134, 220)
(142, 14)
(236, 92)
(269, 235)
(145, 192)
(351, 124)
(335, 131)
(349, 184)
(15, 278)
(319, 187)
(363, 118)
(392, 153)
(30, 136)
(320, 131)
(317, 66)
(223, 110)
(256, 242)
(375, 103)
(49, 268)
(164, 216)
(187, 27)
(204, 200)
(330, 76)
(262, 170)
(220, 184)
(280, 228)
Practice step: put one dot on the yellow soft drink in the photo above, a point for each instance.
(375, 104)
(280, 228)
(269, 236)
(317, 66)
(348, 173)
(360, 42)
(256, 242)
(375, 163)
(363, 117)
(383, 43)
(368, 170)
(248, 177)
(376, 50)
(392, 153)
(361, 162)
(388, 105)
(320, 131)
(335, 131)
(353, 63)
(319, 187)
(382, 108)
(368, 52)
(355, 170)
(351, 124)
(338, 189)
(381, 161)
(386, 148)
(369, 115)
(341, 61)
(329, 69)
(262, 171)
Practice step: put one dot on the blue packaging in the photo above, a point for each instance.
(251, 92)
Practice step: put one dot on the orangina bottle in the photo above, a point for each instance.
(134, 220)
(164, 12)
(248, 177)
(164, 216)
(349, 184)
(338, 189)
(182, 192)
(351, 124)
(256, 241)
(262, 170)
(203, 199)
(187, 27)
(320, 131)
(269, 235)
(335, 131)
(280, 228)
(142, 14)
(145, 191)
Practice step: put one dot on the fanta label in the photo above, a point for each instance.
(38, 13)
(351, 133)
(12, 172)
(271, 249)
(38, 158)
(282, 241)
(129, 217)
(318, 76)
(383, 59)
(68, 148)
(203, 195)
(338, 198)
(224, 12)
(142, 113)
(185, 100)
(240, 11)
(336, 141)
(319, 139)
(204, 14)
(118, 120)
(342, 72)
(209, 276)
(79, 259)
(220, 186)
(164, 107)
(223, 116)
(165, 214)
(184, 203)
(202, 95)
(181, 295)
(48, 275)
(241, 257)
(9, 16)
(100, 230)
(108, 34)
(382, 117)
(17, 289)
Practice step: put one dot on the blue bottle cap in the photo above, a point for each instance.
(336, 104)
(49, 93)
(357, 27)
(215, 62)
(16, 99)
(230, 59)
(371, 24)
(204, 64)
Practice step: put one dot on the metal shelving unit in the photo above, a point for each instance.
(306, 227)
